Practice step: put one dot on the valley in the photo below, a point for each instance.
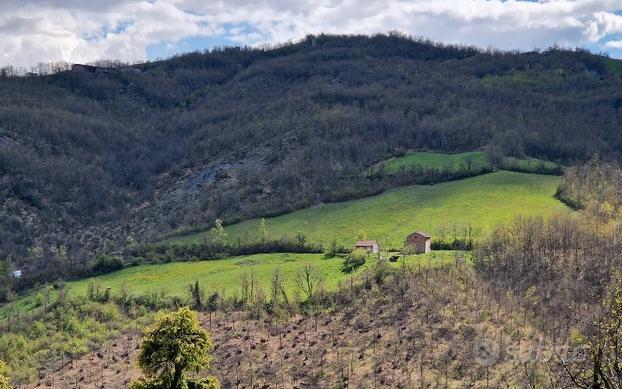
(250, 207)
(450, 210)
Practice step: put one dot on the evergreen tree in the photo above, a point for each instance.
(263, 232)
(196, 294)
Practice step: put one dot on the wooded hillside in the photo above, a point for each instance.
(94, 155)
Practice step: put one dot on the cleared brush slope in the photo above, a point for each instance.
(408, 329)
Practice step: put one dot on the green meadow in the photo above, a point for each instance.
(473, 160)
(224, 275)
(478, 203)
(529, 164)
(221, 275)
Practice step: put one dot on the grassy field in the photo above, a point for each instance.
(480, 202)
(473, 160)
(529, 164)
(224, 275)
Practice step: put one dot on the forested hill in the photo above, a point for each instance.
(94, 155)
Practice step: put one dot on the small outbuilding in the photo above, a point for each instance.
(17, 274)
(419, 241)
(370, 245)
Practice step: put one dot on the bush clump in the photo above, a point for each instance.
(354, 260)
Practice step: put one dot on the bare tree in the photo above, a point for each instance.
(308, 280)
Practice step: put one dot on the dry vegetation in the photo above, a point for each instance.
(400, 328)
(567, 272)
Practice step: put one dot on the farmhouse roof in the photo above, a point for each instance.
(365, 243)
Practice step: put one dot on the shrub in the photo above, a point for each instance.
(334, 249)
(354, 260)
(106, 264)
(455, 244)
(208, 251)
(4, 381)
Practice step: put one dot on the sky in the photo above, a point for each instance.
(82, 31)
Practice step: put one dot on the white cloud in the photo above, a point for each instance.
(34, 31)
